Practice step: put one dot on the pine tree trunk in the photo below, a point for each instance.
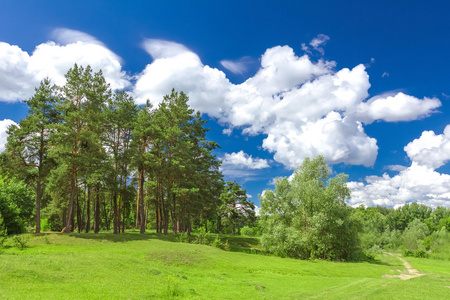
(38, 202)
(79, 221)
(115, 221)
(97, 210)
(88, 211)
(141, 199)
(71, 200)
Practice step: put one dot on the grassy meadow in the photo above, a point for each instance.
(134, 266)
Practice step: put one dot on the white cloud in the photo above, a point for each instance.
(243, 160)
(319, 41)
(395, 168)
(418, 183)
(239, 66)
(175, 66)
(385, 74)
(430, 150)
(243, 166)
(305, 108)
(4, 124)
(21, 72)
(399, 107)
(257, 210)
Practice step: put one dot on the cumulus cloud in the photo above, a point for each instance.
(399, 107)
(175, 66)
(304, 107)
(430, 150)
(243, 160)
(243, 166)
(4, 124)
(21, 72)
(419, 182)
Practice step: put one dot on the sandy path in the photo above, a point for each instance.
(411, 272)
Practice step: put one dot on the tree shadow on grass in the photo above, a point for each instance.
(128, 236)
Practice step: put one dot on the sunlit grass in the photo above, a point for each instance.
(134, 266)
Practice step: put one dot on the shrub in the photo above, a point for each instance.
(3, 231)
(218, 243)
(407, 253)
(247, 231)
(21, 241)
(227, 246)
(16, 205)
(428, 242)
(420, 254)
(201, 236)
(182, 237)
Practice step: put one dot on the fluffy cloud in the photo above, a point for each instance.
(21, 72)
(243, 160)
(4, 124)
(175, 66)
(420, 182)
(430, 150)
(304, 107)
(399, 107)
(243, 166)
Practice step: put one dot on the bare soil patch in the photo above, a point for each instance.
(410, 271)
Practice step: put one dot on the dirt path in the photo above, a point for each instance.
(411, 272)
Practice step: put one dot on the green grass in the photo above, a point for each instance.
(134, 266)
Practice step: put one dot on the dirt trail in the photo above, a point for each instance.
(411, 272)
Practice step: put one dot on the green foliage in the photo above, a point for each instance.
(182, 237)
(428, 242)
(16, 205)
(201, 236)
(308, 217)
(247, 231)
(416, 253)
(218, 243)
(227, 246)
(21, 241)
(3, 231)
(414, 235)
(235, 207)
(444, 223)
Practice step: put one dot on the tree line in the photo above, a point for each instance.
(94, 159)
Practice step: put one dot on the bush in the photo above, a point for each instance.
(16, 205)
(247, 231)
(218, 243)
(407, 253)
(428, 242)
(201, 236)
(182, 237)
(420, 254)
(21, 241)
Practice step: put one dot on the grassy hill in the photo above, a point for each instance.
(134, 266)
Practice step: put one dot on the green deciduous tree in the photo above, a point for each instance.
(16, 205)
(308, 217)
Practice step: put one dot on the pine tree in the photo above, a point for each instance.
(29, 140)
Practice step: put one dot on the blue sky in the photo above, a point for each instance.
(365, 83)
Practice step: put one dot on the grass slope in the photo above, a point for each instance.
(133, 266)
